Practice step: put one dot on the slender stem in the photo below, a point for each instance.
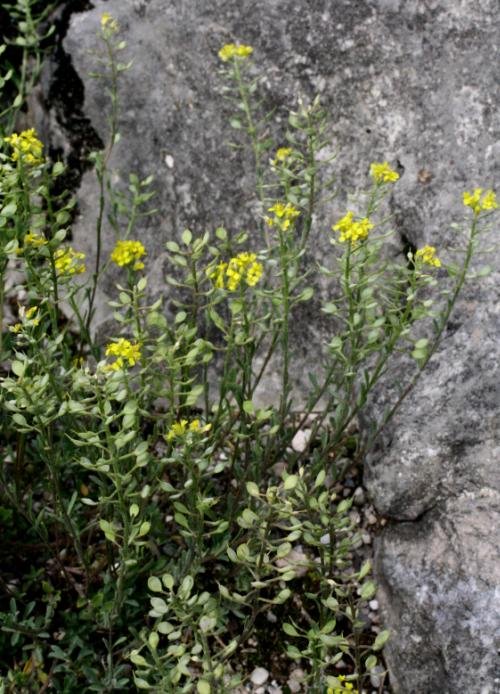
(254, 139)
(442, 325)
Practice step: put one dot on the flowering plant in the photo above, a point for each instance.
(174, 517)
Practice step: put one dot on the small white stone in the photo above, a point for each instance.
(295, 680)
(373, 605)
(300, 440)
(169, 161)
(259, 676)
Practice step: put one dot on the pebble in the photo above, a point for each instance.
(373, 605)
(359, 496)
(295, 680)
(375, 674)
(300, 440)
(259, 676)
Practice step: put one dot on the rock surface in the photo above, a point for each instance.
(412, 81)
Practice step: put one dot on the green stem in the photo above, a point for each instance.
(442, 325)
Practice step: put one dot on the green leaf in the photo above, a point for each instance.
(181, 520)
(133, 511)
(284, 549)
(306, 294)
(168, 581)
(320, 478)
(290, 629)
(365, 570)
(9, 210)
(203, 687)
(380, 640)
(329, 627)
(159, 605)
(370, 662)
(154, 584)
(252, 489)
(291, 482)
(330, 308)
(282, 596)
(344, 506)
(336, 344)
(19, 419)
(108, 530)
(248, 407)
(243, 552)
(138, 659)
(144, 529)
(186, 237)
(186, 587)
(368, 590)
(207, 624)
(18, 367)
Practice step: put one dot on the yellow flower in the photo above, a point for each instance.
(351, 229)
(67, 261)
(234, 50)
(129, 253)
(284, 215)
(218, 274)
(28, 318)
(124, 351)
(182, 427)
(34, 239)
(26, 147)
(108, 24)
(382, 173)
(282, 154)
(427, 255)
(488, 201)
(243, 267)
(345, 686)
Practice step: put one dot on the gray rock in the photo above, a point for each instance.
(259, 676)
(410, 81)
(439, 587)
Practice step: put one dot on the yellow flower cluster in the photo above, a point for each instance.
(381, 172)
(28, 317)
(427, 255)
(35, 240)
(124, 351)
(108, 24)
(234, 50)
(282, 154)
(242, 268)
(284, 215)
(351, 229)
(480, 201)
(128, 253)
(182, 427)
(345, 687)
(26, 147)
(67, 261)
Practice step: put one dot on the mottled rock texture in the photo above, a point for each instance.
(412, 81)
